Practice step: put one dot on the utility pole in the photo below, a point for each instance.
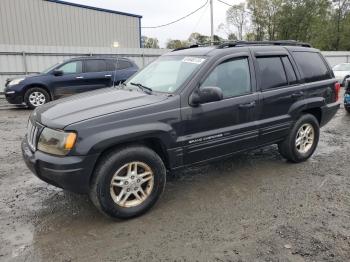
(211, 22)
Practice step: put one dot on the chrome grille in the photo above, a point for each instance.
(32, 134)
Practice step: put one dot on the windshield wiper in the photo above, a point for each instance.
(145, 89)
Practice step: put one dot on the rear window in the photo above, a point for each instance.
(272, 73)
(292, 78)
(123, 64)
(95, 66)
(312, 65)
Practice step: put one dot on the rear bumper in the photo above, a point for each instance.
(70, 172)
(328, 112)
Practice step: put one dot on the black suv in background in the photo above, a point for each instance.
(74, 76)
(188, 107)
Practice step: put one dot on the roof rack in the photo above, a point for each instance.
(229, 44)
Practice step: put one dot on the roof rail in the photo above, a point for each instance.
(280, 42)
(203, 44)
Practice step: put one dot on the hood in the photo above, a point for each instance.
(341, 74)
(8, 80)
(63, 112)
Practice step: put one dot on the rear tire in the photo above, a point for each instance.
(302, 141)
(36, 96)
(128, 182)
(347, 109)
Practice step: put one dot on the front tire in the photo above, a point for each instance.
(302, 141)
(35, 97)
(347, 109)
(128, 182)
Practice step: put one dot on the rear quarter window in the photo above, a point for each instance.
(312, 66)
(123, 64)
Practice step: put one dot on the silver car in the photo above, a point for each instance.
(342, 72)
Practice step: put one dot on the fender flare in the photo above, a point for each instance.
(306, 104)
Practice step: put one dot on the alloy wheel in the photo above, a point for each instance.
(132, 184)
(305, 138)
(37, 98)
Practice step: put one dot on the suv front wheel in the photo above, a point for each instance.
(302, 141)
(35, 97)
(128, 181)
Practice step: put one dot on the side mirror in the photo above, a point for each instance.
(206, 94)
(57, 72)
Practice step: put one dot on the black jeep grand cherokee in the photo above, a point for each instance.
(187, 107)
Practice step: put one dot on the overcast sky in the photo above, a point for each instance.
(156, 12)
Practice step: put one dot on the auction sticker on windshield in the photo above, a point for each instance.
(193, 60)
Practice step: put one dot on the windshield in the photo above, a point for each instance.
(342, 67)
(50, 68)
(167, 73)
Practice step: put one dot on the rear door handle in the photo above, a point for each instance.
(108, 75)
(79, 77)
(297, 95)
(248, 105)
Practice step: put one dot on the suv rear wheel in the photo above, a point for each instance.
(35, 97)
(128, 181)
(302, 140)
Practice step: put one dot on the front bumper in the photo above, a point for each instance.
(14, 98)
(70, 172)
(328, 111)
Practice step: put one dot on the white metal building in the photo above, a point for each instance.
(59, 23)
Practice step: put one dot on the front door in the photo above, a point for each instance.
(70, 82)
(221, 128)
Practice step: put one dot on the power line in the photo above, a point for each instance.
(200, 19)
(245, 11)
(158, 26)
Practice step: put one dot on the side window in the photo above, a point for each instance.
(292, 78)
(271, 72)
(95, 66)
(123, 64)
(71, 68)
(111, 66)
(232, 76)
(312, 66)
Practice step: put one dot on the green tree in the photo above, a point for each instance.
(173, 44)
(237, 15)
(149, 42)
(197, 38)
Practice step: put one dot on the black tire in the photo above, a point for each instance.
(112, 161)
(288, 148)
(347, 109)
(32, 90)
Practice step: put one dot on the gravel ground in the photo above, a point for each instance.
(252, 207)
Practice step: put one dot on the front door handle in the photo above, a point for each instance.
(298, 94)
(108, 75)
(79, 77)
(248, 105)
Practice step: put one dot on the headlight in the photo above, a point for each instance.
(56, 142)
(15, 81)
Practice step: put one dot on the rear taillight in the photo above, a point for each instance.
(337, 91)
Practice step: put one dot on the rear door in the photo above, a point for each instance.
(125, 69)
(97, 74)
(220, 128)
(280, 88)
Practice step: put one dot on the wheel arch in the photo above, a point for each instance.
(308, 106)
(154, 143)
(38, 85)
